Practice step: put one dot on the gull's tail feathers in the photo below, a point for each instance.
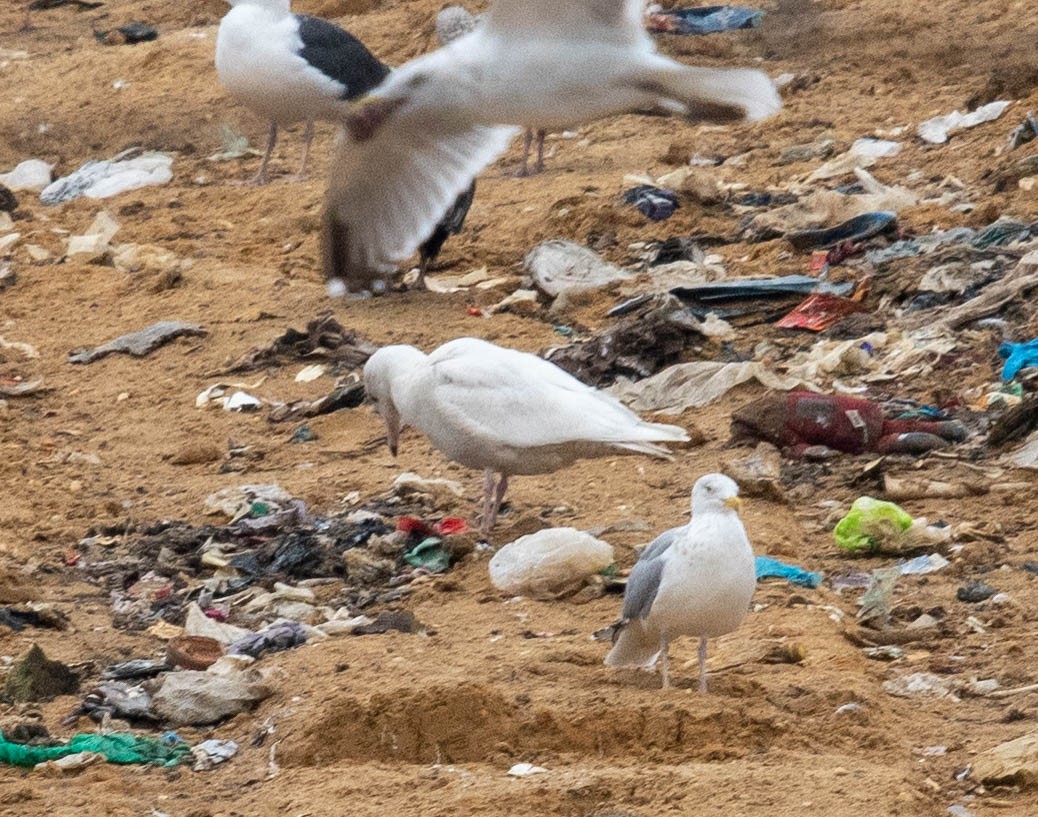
(716, 94)
(634, 645)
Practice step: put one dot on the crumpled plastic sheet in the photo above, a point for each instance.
(768, 568)
(101, 179)
(117, 747)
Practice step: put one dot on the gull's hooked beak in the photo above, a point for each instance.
(734, 502)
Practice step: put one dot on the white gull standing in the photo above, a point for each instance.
(503, 411)
(693, 580)
(419, 139)
(291, 68)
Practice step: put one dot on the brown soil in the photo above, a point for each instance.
(404, 724)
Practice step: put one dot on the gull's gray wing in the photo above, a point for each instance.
(644, 581)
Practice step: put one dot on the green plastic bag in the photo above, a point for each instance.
(118, 747)
(430, 554)
(870, 525)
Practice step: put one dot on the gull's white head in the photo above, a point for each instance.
(715, 493)
(453, 22)
(383, 369)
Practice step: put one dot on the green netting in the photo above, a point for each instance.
(120, 747)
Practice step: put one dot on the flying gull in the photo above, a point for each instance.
(503, 411)
(426, 132)
(692, 580)
(451, 23)
(291, 68)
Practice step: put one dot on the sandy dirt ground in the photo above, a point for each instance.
(429, 724)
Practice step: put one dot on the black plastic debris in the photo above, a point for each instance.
(855, 229)
(703, 20)
(975, 591)
(655, 203)
(8, 201)
(324, 339)
(283, 635)
(129, 34)
(135, 668)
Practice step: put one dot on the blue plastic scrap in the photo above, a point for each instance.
(1018, 356)
(768, 568)
(706, 20)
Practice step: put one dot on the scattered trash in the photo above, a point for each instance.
(129, 34)
(768, 568)
(283, 635)
(975, 591)
(129, 170)
(196, 652)
(887, 652)
(139, 343)
(820, 311)
(115, 747)
(1017, 356)
(37, 678)
(852, 425)
(439, 494)
(940, 128)
(212, 752)
(922, 685)
(525, 770)
(878, 597)
(706, 20)
(855, 229)
(550, 563)
(1014, 762)
(347, 396)
(699, 383)
(192, 698)
(874, 525)
(655, 203)
(558, 267)
(32, 175)
(324, 338)
(1025, 132)
(8, 203)
(921, 565)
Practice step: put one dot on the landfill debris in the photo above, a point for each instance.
(922, 685)
(1014, 762)
(758, 288)
(324, 339)
(8, 204)
(36, 678)
(549, 564)
(212, 752)
(33, 614)
(115, 747)
(129, 34)
(435, 492)
(820, 311)
(1017, 356)
(770, 568)
(699, 383)
(855, 229)
(282, 635)
(347, 394)
(135, 668)
(938, 129)
(922, 565)
(129, 170)
(886, 652)
(758, 474)
(195, 652)
(876, 148)
(31, 175)
(115, 699)
(1025, 132)
(975, 591)
(799, 420)
(655, 203)
(525, 770)
(877, 600)
(706, 20)
(193, 698)
(95, 243)
(558, 267)
(652, 336)
(874, 525)
(139, 343)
